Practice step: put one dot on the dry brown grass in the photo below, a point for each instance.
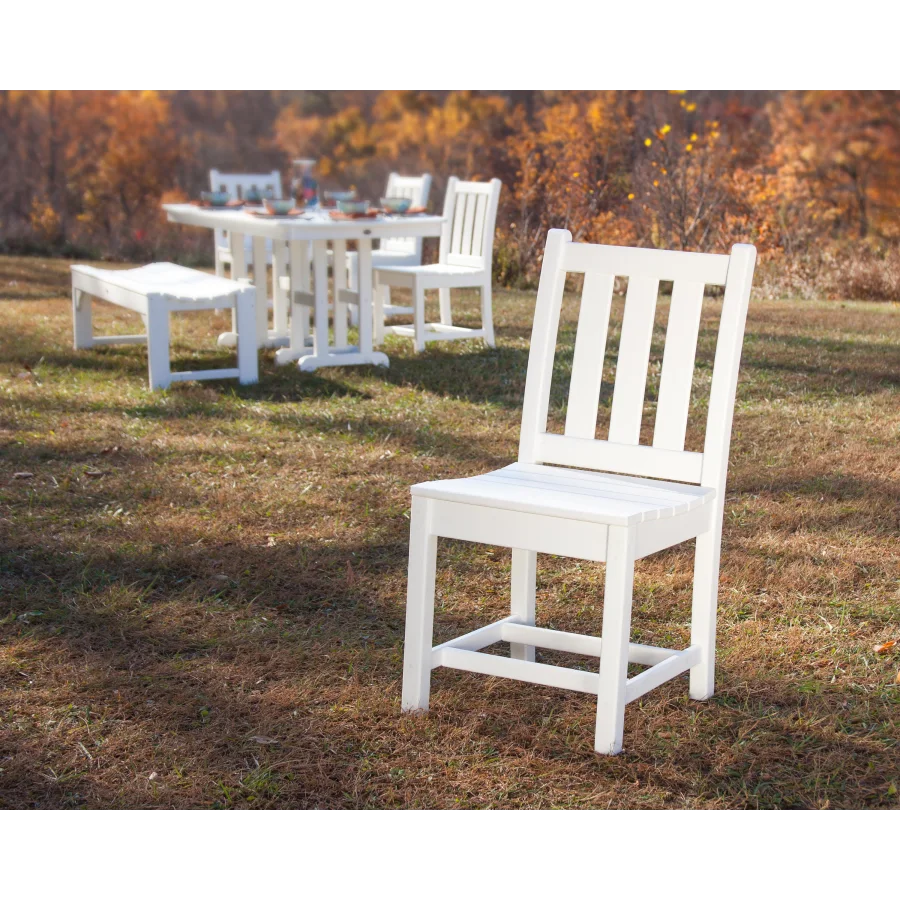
(237, 571)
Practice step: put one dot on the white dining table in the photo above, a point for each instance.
(291, 239)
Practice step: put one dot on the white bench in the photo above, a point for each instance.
(154, 291)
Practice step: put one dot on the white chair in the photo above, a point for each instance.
(556, 499)
(465, 260)
(396, 251)
(237, 184)
(154, 291)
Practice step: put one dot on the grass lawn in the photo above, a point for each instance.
(202, 591)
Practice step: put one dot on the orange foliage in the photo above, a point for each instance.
(801, 174)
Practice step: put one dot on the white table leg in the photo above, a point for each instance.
(320, 290)
(260, 272)
(300, 319)
(366, 351)
(238, 271)
(279, 295)
(339, 266)
(322, 354)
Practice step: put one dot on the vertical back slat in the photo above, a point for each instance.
(543, 345)
(634, 356)
(590, 347)
(481, 210)
(459, 212)
(678, 365)
(469, 224)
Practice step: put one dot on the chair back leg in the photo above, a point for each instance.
(703, 610)
(446, 311)
(522, 597)
(487, 313)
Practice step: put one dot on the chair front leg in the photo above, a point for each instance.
(81, 320)
(419, 608)
(703, 611)
(522, 605)
(617, 600)
(158, 343)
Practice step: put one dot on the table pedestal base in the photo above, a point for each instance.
(272, 339)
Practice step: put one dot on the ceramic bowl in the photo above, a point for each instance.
(396, 204)
(278, 207)
(353, 206)
(339, 196)
(215, 198)
(256, 196)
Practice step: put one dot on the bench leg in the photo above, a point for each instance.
(158, 343)
(247, 345)
(81, 319)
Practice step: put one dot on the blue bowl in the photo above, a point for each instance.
(215, 198)
(353, 206)
(278, 207)
(340, 196)
(396, 204)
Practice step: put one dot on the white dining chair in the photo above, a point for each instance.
(238, 184)
(614, 501)
(395, 251)
(465, 260)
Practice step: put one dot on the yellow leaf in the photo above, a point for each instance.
(647, 142)
(666, 129)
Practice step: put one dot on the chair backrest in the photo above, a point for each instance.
(470, 210)
(238, 183)
(416, 188)
(622, 453)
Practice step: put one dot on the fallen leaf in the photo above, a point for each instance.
(351, 575)
(94, 473)
(270, 542)
(154, 776)
(23, 475)
(883, 648)
(897, 679)
(262, 739)
(107, 450)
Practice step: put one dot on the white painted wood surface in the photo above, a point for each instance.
(306, 230)
(465, 260)
(155, 291)
(574, 495)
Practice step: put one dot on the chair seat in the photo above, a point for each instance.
(443, 274)
(174, 281)
(571, 494)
